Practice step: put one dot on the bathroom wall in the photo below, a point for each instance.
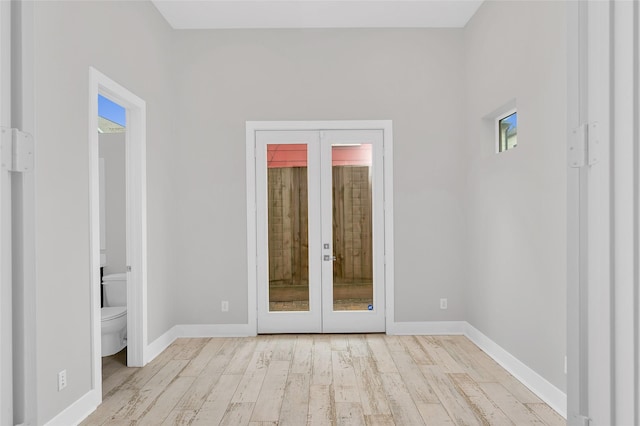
(112, 149)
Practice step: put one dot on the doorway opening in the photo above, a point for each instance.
(117, 255)
(112, 128)
(321, 229)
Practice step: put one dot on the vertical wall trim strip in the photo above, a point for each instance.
(611, 201)
(636, 207)
(6, 336)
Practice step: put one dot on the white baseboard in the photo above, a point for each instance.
(546, 391)
(433, 328)
(214, 330)
(78, 411)
(194, 330)
(540, 386)
(156, 347)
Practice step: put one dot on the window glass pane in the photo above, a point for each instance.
(288, 227)
(508, 132)
(352, 227)
(111, 116)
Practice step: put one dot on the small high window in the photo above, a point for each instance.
(507, 131)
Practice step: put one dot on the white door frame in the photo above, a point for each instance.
(589, 292)
(603, 251)
(6, 364)
(136, 221)
(23, 262)
(251, 128)
(577, 404)
(596, 363)
(618, 94)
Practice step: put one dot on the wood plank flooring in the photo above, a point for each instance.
(350, 380)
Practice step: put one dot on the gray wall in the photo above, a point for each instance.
(112, 149)
(516, 217)
(128, 42)
(224, 78)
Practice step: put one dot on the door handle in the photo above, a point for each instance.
(329, 258)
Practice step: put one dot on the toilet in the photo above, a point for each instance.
(114, 313)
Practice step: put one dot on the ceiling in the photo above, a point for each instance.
(218, 14)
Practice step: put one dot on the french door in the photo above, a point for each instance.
(320, 260)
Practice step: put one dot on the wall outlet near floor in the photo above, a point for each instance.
(443, 303)
(225, 306)
(62, 380)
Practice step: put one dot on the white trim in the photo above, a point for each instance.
(136, 222)
(596, 285)
(214, 330)
(136, 229)
(6, 349)
(540, 386)
(433, 328)
(576, 346)
(24, 274)
(389, 257)
(624, 212)
(94, 237)
(251, 128)
(156, 347)
(252, 230)
(78, 411)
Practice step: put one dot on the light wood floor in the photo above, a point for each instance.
(318, 380)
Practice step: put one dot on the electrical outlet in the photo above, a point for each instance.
(443, 303)
(225, 306)
(62, 380)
